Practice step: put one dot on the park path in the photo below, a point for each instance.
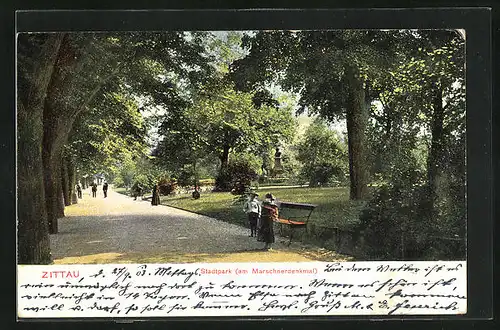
(118, 229)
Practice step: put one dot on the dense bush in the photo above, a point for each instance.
(223, 180)
(144, 181)
(237, 177)
(399, 222)
(167, 185)
(389, 223)
(323, 174)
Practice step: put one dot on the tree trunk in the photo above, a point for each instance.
(65, 182)
(72, 182)
(224, 158)
(33, 233)
(53, 186)
(357, 120)
(436, 153)
(58, 118)
(196, 178)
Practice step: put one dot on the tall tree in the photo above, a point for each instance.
(437, 74)
(224, 122)
(74, 85)
(331, 72)
(36, 60)
(419, 133)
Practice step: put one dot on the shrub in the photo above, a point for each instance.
(386, 221)
(166, 186)
(323, 154)
(223, 180)
(237, 177)
(323, 174)
(399, 223)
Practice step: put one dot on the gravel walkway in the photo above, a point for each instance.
(119, 229)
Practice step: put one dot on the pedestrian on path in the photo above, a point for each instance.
(79, 190)
(253, 209)
(94, 189)
(269, 215)
(105, 189)
(155, 200)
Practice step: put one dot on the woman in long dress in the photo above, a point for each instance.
(156, 196)
(269, 214)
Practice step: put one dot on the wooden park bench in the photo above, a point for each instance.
(294, 221)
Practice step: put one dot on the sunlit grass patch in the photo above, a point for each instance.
(334, 209)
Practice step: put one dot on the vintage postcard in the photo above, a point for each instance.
(243, 173)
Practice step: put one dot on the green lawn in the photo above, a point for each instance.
(122, 191)
(334, 208)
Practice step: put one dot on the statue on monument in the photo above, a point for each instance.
(277, 160)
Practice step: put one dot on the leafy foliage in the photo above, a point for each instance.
(313, 63)
(418, 152)
(323, 155)
(390, 224)
(237, 176)
(220, 123)
(107, 134)
(133, 171)
(134, 71)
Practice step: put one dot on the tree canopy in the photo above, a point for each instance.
(84, 101)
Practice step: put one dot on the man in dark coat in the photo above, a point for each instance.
(79, 190)
(156, 196)
(105, 189)
(94, 189)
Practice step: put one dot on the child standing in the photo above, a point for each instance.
(253, 209)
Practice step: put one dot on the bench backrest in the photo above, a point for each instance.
(301, 206)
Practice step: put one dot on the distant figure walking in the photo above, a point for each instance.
(105, 189)
(156, 195)
(94, 189)
(253, 209)
(79, 190)
(269, 214)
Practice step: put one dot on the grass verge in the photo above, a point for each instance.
(122, 191)
(334, 207)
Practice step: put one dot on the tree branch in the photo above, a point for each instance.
(99, 86)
